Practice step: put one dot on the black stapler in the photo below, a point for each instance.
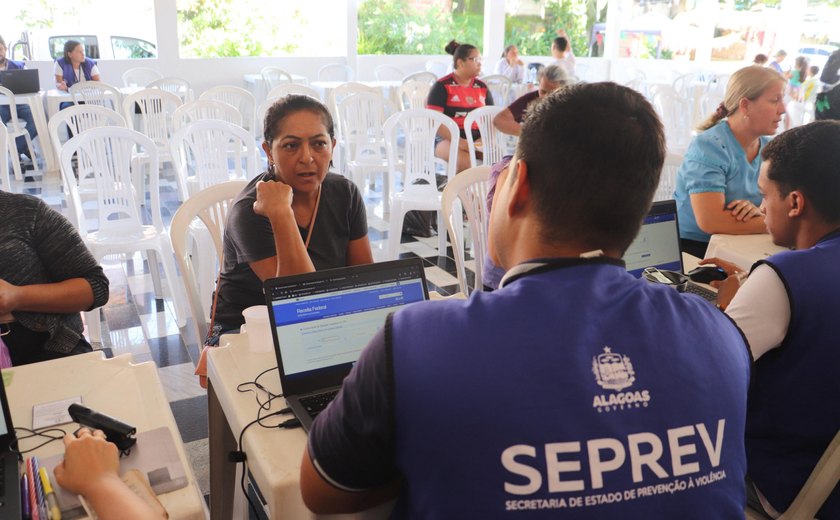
(116, 431)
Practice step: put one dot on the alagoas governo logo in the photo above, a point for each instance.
(615, 372)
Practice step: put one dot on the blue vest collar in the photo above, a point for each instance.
(541, 265)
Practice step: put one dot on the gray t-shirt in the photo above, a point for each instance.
(249, 237)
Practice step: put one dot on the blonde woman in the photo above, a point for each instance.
(717, 184)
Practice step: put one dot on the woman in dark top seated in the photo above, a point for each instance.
(294, 218)
(47, 276)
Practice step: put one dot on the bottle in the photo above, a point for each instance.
(532, 75)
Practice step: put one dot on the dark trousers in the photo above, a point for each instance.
(24, 114)
(26, 346)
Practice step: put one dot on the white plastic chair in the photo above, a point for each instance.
(156, 109)
(414, 94)
(334, 97)
(362, 117)
(237, 97)
(5, 182)
(675, 112)
(493, 142)
(96, 93)
(668, 177)
(78, 119)
(423, 76)
(335, 72)
(192, 247)
(388, 73)
(179, 87)
(211, 152)
(418, 127)
(470, 188)
(275, 76)
(205, 109)
(293, 88)
(14, 129)
(121, 229)
(140, 77)
(500, 87)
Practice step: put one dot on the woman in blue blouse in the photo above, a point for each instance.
(717, 184)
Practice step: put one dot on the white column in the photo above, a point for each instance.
(166, 27)
(352, 29)
(494, 34)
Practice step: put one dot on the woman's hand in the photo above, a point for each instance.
(274, 199)
(61, 85)
(88, 459)
(743, 210)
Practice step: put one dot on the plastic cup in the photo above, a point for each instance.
(259, 329)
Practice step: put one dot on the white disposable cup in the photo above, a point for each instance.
(258, 328)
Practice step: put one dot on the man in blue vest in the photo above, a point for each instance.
(787, 309)
(573, 391)
(23, 111)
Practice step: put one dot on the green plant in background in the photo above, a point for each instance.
(533, 35)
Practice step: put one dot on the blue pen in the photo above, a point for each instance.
(24, 495)
(39, 490)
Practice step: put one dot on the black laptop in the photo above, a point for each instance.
(658, 245)
(321, 321)
(10, 505)
(21, 81)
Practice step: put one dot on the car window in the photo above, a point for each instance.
(127, 48)
(90, 42)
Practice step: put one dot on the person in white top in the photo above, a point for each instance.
(510, 65)
(561, 49)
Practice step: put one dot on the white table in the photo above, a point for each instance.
(35, 101)
(742, 250)
(274, 455)
(131, 392)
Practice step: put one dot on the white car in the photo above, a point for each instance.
(816, 54)
(38, 45)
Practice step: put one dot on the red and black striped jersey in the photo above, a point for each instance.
(456, 101)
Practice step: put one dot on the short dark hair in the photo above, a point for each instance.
(760, 59)
(561, 43)
(459, 51)
(594, 154)
(69, 45)
(289, 105)
(807, 158)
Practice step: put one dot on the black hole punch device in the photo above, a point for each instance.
(116, 431)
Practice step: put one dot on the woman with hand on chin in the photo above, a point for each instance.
(717, 183)
(510, 65)
(295, 218)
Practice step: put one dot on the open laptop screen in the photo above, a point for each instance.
(658, 242)
(323, 320)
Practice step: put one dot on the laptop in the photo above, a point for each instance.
(21, 81)
(658, 245)
(10, 504)
(321, 321)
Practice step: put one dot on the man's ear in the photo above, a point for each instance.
(520, 188)
(798, 203)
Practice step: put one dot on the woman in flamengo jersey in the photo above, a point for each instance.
(456, 95)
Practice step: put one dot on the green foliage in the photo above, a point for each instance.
(533, 35)
(394, 27)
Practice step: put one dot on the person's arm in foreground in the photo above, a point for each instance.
(323, 498)
(90, 468)
(505, 123)
(739, 217)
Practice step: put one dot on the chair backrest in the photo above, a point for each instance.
(211, 206)
(668, 177)
(821, 482)
(423, 76)
(362, 117)
(12, 104)
(110, 151)
(438, 68)
(156, 109)
(493, 142)
(205, 109)
(5, 182)
(97, 93)
(470, 187)
(418, 128)
(388, 73)
(211, 152)
(682, 83)
(500, 86)
(237, 97)
(140, 77)
(414, 94)
(80, 118)
(335, 72)
(675, 112)
(179, 87)
(274, 76)
(293, 88)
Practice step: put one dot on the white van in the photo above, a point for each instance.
(47, 46)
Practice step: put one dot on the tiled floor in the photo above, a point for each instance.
(135, 321)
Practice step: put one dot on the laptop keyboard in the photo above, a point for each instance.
(701, 292)
(315, 404)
